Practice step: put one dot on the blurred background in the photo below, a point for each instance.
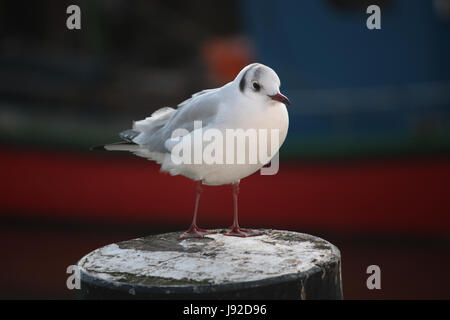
(366, 164)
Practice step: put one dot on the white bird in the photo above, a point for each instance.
(251, 101)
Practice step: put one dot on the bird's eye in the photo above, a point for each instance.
(256, 86)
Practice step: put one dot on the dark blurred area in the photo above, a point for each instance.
(366, 164)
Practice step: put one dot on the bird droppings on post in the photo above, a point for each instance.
(163, 260)
(216, 259)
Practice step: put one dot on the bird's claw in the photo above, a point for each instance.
(195, 232)
(206, 231)
(241, 232)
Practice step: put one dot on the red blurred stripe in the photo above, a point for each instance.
(406, 196)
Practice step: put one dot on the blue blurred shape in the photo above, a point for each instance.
(356, 90)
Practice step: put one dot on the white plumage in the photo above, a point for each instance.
(227, 107)
(252, 101)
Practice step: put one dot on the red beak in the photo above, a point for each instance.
(280, 98)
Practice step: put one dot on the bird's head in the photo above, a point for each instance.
(261, 83)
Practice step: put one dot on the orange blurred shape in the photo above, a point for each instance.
(225, 57)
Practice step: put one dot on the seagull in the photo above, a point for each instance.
(251, 101)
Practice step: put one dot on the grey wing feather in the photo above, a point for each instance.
(154, 131)
(129, 135)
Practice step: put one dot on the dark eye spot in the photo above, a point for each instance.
(256, 86)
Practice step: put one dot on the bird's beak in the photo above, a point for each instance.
(280, 98)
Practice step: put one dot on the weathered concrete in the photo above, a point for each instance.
(275, 265)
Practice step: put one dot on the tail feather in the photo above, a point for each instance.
(100, 148)
(118, 146)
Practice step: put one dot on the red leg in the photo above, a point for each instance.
(194, 231)
(235, 229)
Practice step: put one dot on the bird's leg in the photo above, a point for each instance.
(235, 229)
(194, 231)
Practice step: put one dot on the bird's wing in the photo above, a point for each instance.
(157, 129)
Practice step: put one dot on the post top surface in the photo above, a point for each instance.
(163, 260)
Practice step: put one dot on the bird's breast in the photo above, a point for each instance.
(273, 118)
